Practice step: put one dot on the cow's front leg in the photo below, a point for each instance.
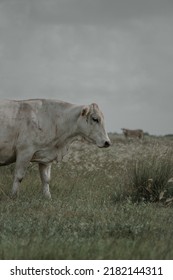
(45, 170)
(22, 163)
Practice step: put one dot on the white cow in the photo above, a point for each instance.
(40, 130)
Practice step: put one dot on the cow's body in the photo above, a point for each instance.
(41, 130)
(136, 133)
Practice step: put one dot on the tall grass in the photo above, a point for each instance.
(150, 177)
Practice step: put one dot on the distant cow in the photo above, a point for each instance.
(40, 130)
(137, 133)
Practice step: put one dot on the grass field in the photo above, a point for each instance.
(99, 210)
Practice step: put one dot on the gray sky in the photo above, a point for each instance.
(117, 53)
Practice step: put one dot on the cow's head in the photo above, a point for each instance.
(91, 126)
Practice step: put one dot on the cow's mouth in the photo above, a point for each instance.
(105, 144)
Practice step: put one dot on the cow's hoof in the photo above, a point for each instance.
(47, 195)
(13, 195)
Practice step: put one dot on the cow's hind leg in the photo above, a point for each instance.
(22, 162)
(45, 170)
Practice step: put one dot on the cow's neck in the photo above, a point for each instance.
(67, 130)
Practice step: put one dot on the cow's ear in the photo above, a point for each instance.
(85, 111)
(95, 106)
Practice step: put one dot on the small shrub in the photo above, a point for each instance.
(149, 177)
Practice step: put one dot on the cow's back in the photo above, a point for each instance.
(27, 124)
(8, 115)
(8, 111)
(8, 131)
(18, 120)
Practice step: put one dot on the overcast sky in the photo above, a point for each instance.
(117, 53)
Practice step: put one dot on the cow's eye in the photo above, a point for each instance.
(95, 119)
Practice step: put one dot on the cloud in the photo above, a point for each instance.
(116, 53)
(94, 12)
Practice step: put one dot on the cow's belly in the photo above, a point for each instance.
(7, 155)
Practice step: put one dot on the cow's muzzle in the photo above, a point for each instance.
(107, 144)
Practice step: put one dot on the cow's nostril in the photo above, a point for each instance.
(107, 144)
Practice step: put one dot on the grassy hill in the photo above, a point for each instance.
(113, 203)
